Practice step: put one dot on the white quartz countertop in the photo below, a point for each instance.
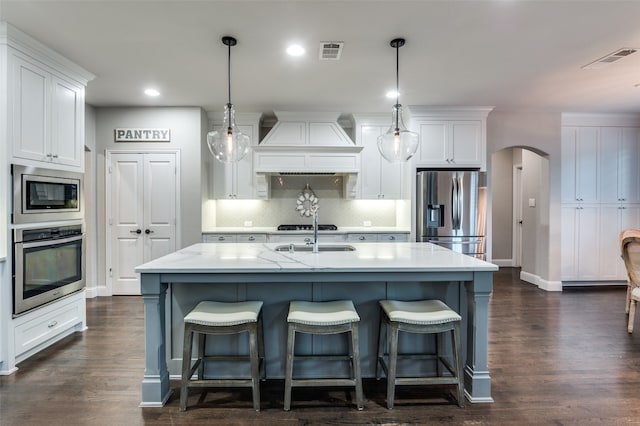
(368, 257)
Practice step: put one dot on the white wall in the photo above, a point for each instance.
(90, 197)
(186, 126)
(502, 205)
(540, 132)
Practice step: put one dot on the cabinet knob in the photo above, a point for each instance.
(392, 238)
(252, 238)
(148, 231)
(55, 156)
(137, 231)
(362, 238)
(221, 238)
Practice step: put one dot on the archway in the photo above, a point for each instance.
(520, 208)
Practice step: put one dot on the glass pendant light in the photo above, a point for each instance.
(398, 143)
(228, 144)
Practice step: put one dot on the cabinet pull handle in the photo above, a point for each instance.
(148, 231)
(362, 238)
(55, 156)
(252, 238)
(137, 231)
(221, 238)
(52, 324)
(392, 238)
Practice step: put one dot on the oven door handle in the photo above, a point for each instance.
(50, 241)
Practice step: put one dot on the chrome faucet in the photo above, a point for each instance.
(314, 211)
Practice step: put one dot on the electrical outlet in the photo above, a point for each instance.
(366, 223)
(248, 223)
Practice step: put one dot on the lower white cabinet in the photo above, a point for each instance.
(304, 238)
(580, 243)
(234, 238)
(46, 325)
(613, 220)
(378, 237)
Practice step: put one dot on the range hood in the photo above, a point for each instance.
(311, 143)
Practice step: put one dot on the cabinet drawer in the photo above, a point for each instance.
(393, 238)
(219, 238)
(44, 327)
(362, 238)
(303, 238)
(251, 238)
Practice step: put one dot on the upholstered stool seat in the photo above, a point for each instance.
(216, 318)
(423, 317)
(332, 317)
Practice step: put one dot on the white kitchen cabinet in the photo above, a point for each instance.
(219, 238)
(450, 143)
(44, 326)
(305, 238)
(580, 164)
(235, 180)
(613, 220)
(619, 158)
(380, 179)
(386, 237)
(47, 114)
(580, 243)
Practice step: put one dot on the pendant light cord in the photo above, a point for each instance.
(229, 75)
(397, 85)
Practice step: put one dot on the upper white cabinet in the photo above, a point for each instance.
(233, 181)
(452, 137)
(379, 178)
(45, 104)
(580, 165)
(619, 160)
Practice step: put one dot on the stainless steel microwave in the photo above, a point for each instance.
(45, 195)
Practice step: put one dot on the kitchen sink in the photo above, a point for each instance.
(321, 247)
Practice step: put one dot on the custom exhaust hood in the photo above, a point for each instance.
(307, 143)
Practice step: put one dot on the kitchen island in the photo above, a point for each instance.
(172, 285)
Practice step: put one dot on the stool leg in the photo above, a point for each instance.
(288, 374)
(382, 333)
(255, 365)
(457, 360)
(439, 346)
(393, 359)
(186, 367)
(261, 353)
(632, 314)
(355, 351)
(202, 344)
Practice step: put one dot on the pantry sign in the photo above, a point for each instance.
(142, 135)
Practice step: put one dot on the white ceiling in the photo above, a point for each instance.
(511, 54)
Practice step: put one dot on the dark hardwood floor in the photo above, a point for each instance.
(555, 358)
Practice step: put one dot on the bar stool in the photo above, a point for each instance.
(217, 318)
(424, 317)
(333, 317)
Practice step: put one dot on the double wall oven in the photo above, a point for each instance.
(48, 252)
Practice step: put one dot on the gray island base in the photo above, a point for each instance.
(172, 285)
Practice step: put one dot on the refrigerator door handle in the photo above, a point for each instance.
(454, 204)
(460, 199)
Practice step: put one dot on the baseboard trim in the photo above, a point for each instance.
(503, 263)
(91, 292)
(540, 283)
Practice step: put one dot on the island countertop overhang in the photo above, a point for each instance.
(263, 258)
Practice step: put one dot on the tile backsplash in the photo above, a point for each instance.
(281, 208)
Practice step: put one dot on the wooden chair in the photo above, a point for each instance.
(630, 248)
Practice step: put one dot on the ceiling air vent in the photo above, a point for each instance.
(613, 57)
(331, 50)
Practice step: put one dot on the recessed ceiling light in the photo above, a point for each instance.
(392, 94)
(295, 50)
(151, 92)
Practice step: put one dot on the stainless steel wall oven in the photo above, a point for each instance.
(48, 264)
(44, 195)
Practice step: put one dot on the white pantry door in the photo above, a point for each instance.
(143, 214)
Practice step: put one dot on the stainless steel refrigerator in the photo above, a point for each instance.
(451, 210)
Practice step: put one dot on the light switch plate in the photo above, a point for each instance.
(532, 202)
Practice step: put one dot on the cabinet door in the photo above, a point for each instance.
(628, 164)
(67, 123)
(234, 180)
(434, 140)
(466, 143)
(587, 164)
(609, 164)
(588, 242)
(569, 255)
(30, 111)
(568, 164)
(613, 220)
(371, 161)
